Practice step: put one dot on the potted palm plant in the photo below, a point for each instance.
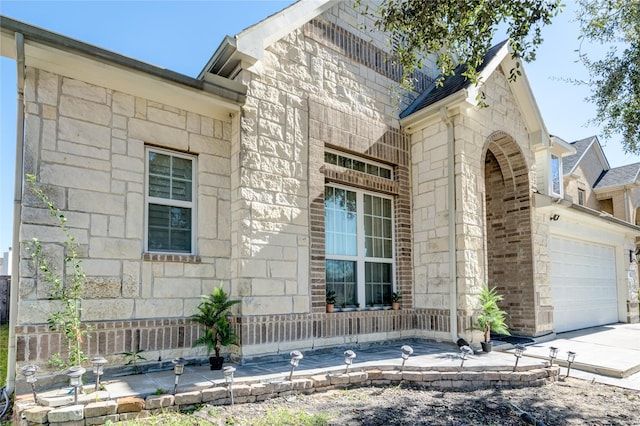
(213, 312)
(331, 300)
(491, 316)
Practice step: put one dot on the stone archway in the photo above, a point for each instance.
(509, 231)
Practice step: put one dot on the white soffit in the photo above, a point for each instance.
(255, 39)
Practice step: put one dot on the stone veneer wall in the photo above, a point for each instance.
(90, 411)
(474, 130)
(86, 145)
(327, 84)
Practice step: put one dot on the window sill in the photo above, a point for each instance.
(168, 257)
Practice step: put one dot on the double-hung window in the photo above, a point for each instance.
(170, 202)
(359, 246)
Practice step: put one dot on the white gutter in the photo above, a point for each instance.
(451, 186)
(17, 213)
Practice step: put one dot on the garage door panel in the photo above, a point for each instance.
(583, 283)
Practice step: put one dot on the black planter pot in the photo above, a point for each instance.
(486, 346)
(215, 362)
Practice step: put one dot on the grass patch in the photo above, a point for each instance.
(284, 417)
(4, 352)
(173, 419)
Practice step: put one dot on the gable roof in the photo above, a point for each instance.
(583, 146)
(451, 84)
(618, 176)
(249, 44)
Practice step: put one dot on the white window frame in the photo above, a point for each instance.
(581, 196)
(167, 202)
(552, 190)
(366, 161)
(360, 257)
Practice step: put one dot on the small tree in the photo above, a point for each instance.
(213, 313)
(65, 286)
(491, 316)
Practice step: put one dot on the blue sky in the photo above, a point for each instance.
(182, 35)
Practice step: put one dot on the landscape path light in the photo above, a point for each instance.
(296, 356)
(571, 356)
(98, 369)
(228, 378)
(407, 351)
(519, 349)
(349, 356)
(29, 373)
(75, 380)
(465, 351)
(178, 369)
(553, 353)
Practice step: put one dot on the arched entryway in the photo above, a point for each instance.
(508, 231)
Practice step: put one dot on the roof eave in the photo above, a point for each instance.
(43, 47)
(416, 120)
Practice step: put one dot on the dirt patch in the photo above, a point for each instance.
(568, 402)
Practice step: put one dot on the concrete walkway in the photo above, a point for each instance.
(608, 354)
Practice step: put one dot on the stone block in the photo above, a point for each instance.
(68, 423)
(339, 379)
(261, 389)
(101, 408)
(186, 398)
(320, 380)
(130, 404)
(374, 374)
(412, 376)
(158, 401)
(394, 376)
(66, 414)
(37, 414)
(241, 390)
(299, 384)
(100, 420)
(357, 377)
(214, 394)
(106, 309)
(134, 415)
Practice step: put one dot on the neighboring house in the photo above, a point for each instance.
(289, 167)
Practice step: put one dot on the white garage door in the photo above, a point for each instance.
(583, 283)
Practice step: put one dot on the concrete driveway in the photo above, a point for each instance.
(608, 354)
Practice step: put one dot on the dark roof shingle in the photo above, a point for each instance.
(450, 85)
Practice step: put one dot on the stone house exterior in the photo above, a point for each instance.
(293, 165)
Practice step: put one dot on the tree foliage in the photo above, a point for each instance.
(460, 31)
(615, 78)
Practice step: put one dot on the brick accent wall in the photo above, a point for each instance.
(509, 247)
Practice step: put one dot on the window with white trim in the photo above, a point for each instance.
(555, 175)
(581, 195)
(358, 246)
(170, 202)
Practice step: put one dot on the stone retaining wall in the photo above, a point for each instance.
(99, 412)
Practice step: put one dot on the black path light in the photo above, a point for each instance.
(519, 349)
(296, 356)
(75, 380)
(178, 369)
(228, 378)
(349, 356)
(571, 356)
(407, 351)
(465, 351)
(29, 373)
(98, 369)
(553, 353)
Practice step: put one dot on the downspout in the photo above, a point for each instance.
(17, 213)
(451, 186)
